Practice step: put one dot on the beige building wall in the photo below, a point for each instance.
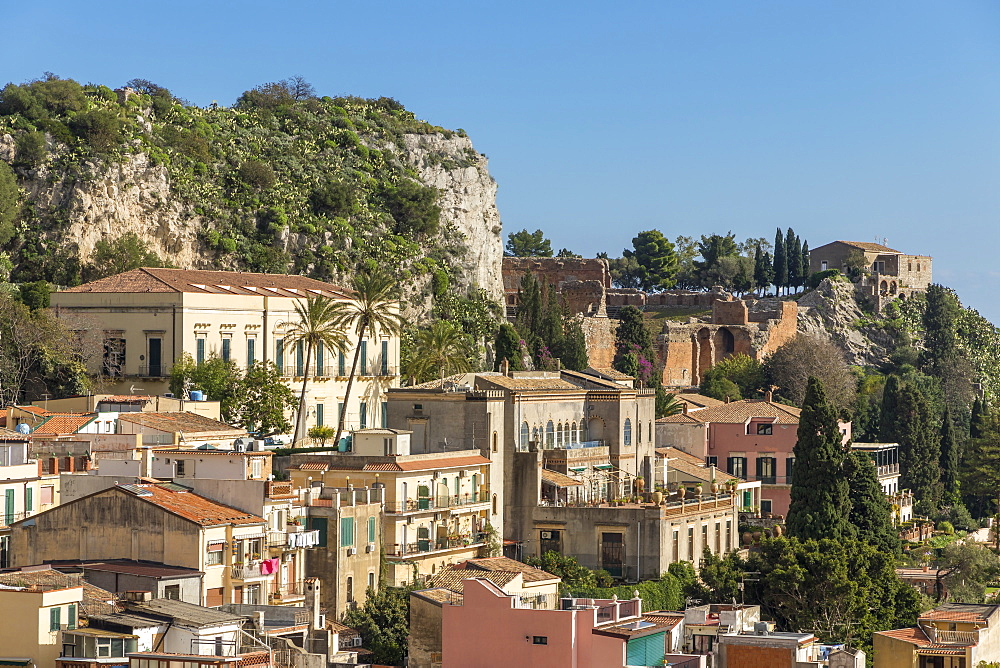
(179, 321)
(26, 628)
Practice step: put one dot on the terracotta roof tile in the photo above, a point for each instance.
(961, 612)
(96, 598)
(676, 453)
(191, 424)
(190, 506)
(869, 246)
(522, 384)
(736, 412)
(506, 564)
(611, 372)
(679, 418)
(697, 401)
(148, 279)
(312, 466)
(64, 423)
(498, 570)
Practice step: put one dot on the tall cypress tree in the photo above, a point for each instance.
(763, 271)
(780, 262)
(820, 497)
(949, 459)
(529, 310)
(978, 419)
(871, 513)
(919, 448)
(508, 347)
(890, 405)
(573, 351)
(793, 253)
(805, 272)
(940, 317)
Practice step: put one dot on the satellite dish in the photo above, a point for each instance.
(24, 428)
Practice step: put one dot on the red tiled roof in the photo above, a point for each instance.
(960, 612)
(148, 279)
(311, 466)
(679, 418)
(736, 412)
(37, 410)
(871, 247)
(507, 565)
(427, 464)
(190, 506)
(64, 423)
(915, 635)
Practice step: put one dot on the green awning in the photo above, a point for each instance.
(603, 467)
(15, 662)
(577, 469)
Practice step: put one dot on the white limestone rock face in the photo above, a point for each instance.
(468, 204)
(832, 311)
(116, 198)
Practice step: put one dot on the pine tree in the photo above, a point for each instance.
(919, 448)
(940, 316)
(871, 513)
(949, 459)
(780, 262)
(550, 327)
(820, 497)
(978, 419)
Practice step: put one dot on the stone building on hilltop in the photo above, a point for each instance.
(887, 273)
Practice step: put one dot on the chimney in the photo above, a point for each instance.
(684, 407)
(138, 596)
(312, 602)
(727, 398)
(505, 367)
(768, 396)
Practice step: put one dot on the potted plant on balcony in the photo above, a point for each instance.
(640, 484)
(698, 489)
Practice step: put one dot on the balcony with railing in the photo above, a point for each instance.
(152, 370)
(439, 502)
(371, 370)
(426, 546)
(284, 593)
(249, 570)
(944, 637)
(6, 519)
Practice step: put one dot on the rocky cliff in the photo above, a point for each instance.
(832, 311)
(319, 186)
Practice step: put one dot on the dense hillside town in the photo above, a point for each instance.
(273, 397)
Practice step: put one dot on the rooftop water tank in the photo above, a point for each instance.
(197, 395)
(23, 428)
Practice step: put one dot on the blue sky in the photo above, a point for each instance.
(845, 120)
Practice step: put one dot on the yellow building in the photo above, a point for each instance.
(136, 325)
(437, 506)
(26, 487)
(952, 635)
(33, 618)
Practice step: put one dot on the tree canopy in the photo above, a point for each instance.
(528, 244)
(656, 258)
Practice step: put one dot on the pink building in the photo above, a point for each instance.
(753, 440)
(487, 628)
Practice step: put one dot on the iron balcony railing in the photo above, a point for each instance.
(152, 370)
(439, 502)
(335, 371)
(422, 546)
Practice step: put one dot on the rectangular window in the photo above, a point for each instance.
(8, 506)
(213, 558)
(691, 544)
(180, 468)
(764, 429)
(363, 417)
(318, 524)
(279, 355)
(55, 619)
(114, 354)
(371, 529)
(385, 358)
(319, 415)
(341, 365)
(71, 616)
(765, 470)
(48, 495)
(539, 640)
(199, 350)
(29, 499)
(765, 505)
(364, 358)
(300, 358)
(789, 467)
(320, 371)
(711, 461)
(251, 352)
(737, 466)
(347, 532)
(227, 349)
(341, 414)
(385, 414)
(172, 592)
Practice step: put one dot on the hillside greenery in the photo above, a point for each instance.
(282, 181)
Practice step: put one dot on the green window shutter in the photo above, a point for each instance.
(364, 415)
(71, 616)
(300, 359)
(251, 351)
(347, 532)
(364, 358)
(318, 524)
(646, 651)
(385, 414)
(54, 618)
(199, 351)
(9, 506)
(29, 499)
(279, 355)
(371, 529)
(319, 415)
(341, 365)
(385, 358)
(319, 359)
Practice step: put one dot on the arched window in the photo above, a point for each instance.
(550, 435)
(575, 434)
(650, 432)
(525, 435)
(628, 431)
(495, 439)
(494, 504)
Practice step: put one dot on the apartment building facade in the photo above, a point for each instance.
(141, 322)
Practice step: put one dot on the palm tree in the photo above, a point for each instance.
(442, 347)
(321, 320)
(373, 310)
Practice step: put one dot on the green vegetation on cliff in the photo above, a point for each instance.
(282, 181)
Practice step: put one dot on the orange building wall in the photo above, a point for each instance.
(743, 656)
